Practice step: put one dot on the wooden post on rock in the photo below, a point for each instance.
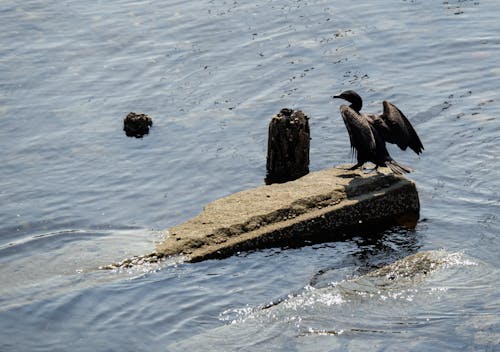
(288, 146)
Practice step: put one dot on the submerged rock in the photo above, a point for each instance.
(137, 125)
(359, 312)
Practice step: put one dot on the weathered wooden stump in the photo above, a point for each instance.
(288, 147)
(137, 125)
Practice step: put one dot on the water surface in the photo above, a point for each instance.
(75, 193)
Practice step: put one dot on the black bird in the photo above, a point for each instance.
(368, 133)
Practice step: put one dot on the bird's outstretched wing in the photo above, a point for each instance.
(396, 128)
(360, 132)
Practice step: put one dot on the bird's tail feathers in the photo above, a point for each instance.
(398, 168)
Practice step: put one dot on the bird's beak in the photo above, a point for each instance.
(337, 96)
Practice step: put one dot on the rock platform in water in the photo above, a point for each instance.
(323, 206)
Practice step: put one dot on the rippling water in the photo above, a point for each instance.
(76, 193)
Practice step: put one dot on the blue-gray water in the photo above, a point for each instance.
(75, 193)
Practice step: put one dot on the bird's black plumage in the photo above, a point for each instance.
(369, 133)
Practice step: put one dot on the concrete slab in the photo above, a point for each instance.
(324, 205)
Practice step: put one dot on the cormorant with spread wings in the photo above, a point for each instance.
(368, 133)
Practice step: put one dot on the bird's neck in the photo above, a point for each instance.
(356, 106)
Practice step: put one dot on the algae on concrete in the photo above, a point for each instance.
(324, 203)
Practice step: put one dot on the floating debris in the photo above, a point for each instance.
(137, 125)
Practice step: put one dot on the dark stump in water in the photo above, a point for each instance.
(137, 125)
(288, 147)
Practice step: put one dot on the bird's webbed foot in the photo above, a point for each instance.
(355, 166)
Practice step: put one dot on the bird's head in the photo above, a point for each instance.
(353, 98)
